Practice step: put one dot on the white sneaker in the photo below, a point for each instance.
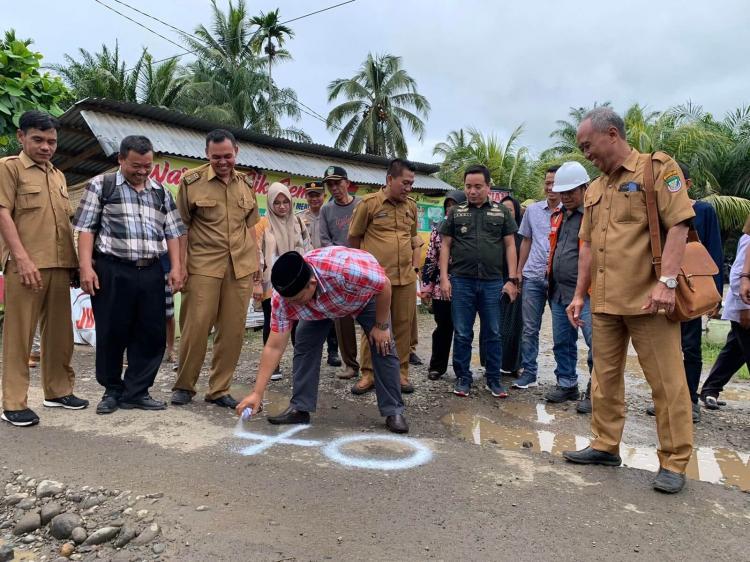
(277, 376)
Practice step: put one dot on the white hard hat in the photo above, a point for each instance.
(569, 176)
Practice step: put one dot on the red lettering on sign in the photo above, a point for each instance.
(86, 321)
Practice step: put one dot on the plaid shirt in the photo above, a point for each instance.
(132, 225)
(347, 280)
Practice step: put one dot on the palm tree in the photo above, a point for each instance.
(509, 164)
(227, 79)
(102, 74)
(380, 99)
(105, 75)
(270, 30)
(161, 84)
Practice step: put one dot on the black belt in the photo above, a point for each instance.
(146, 262)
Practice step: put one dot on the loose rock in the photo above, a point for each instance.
(79, 535)
(201, 508)
(6, 553)
(67, 549)
(48, 488)
(14, 499)
(127, 534)
(147, 535)
(50, 510)
(28, 523)
(101, 536)
(62, 525)
(158, 548)
(26, 504)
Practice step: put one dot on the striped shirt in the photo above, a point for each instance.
(347, 280)
(131, 225)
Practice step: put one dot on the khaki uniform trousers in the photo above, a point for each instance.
(347, 338)
(657, 342)
(23, 309)
(403, 302)
(212, 302)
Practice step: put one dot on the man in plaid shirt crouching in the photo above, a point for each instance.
(328, 283)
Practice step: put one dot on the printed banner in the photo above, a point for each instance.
(169, 171)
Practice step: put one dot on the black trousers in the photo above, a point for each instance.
(442, 335)
(333, 344)
(130, 314)
(734, 354)
(692, 357)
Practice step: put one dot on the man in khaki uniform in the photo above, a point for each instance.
(38, 259)
(385, 224)
(627, 300)
(218, 207)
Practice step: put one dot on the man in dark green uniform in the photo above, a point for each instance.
(474, 236)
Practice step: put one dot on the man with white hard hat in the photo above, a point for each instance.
(571, 181)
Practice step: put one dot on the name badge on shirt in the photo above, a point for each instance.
(629, 187)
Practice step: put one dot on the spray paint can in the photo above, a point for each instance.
(247, 413)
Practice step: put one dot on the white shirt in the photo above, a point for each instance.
(733, 303)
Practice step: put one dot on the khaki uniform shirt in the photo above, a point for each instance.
(616, 224)
(312, 223)
(37, 198)
(218, 217)
(389, 232)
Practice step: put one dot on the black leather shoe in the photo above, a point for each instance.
(334, 361)
(407, 388)
(181, 397)
(592, 456)
(107, 405)
(397, 424)
(651, 410)
(225, 401)
(434, 375)
(290, 416)
(145, 403)
(669, 482)
(415, 359)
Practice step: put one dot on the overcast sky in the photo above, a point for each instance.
(488, 64)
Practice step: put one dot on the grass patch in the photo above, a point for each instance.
(710, 351)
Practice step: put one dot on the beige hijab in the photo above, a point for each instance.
(283, 234)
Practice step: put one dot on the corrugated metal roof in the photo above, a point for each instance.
(110, 128)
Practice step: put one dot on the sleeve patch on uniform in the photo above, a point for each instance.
(192, 177)
(673, 183)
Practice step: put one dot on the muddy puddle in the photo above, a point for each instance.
(538, 433)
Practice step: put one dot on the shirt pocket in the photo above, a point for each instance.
(629, 207)
(65, 198)
(206, 209)
(592, 207)
(29, 197)
(495, 226)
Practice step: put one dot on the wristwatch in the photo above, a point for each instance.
(670, 282)
(513, 280)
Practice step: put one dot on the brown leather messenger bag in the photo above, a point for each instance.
(696, 292)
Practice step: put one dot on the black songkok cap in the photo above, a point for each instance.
(290, 274)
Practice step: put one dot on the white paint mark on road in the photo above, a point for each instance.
(421, 455)
(268, 441)
(334, 450)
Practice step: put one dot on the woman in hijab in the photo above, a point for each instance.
(278, 232)
(442, 336)
(510, 312)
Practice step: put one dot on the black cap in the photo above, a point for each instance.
(456, 195)
(334, 173)
(314, 186)
(290, 274)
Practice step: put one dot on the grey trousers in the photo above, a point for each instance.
(308, 350)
